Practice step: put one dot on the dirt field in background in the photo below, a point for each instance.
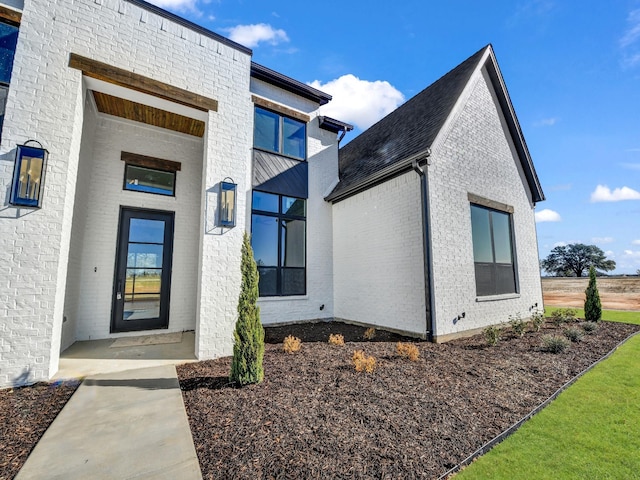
(616, 293)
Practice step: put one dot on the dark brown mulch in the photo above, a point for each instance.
(315, 417)
(25, 414)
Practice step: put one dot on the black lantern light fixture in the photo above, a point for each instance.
(227, 203)
(28, 175)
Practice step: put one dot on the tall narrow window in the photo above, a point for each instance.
(279, 134)
(492, 251)
(8, 42)
(278, 239)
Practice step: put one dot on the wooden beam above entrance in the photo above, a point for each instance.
(138, 112)
(134, 81)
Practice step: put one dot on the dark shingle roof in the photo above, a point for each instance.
(406, 131)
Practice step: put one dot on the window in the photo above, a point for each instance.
(492, 251)
(278, 239)
(149, 180)
(279, 134)
(8, 41)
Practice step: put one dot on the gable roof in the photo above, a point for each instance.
(388, 147)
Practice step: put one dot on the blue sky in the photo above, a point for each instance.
(572, 70)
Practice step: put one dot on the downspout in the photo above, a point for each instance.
(426, 244)
(342, 134)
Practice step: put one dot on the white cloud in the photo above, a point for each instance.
(547, 215)
(252, 35)
(546, 122)
(610, 254)
(178, 5)
(633, 31)
(636, 242)
(602, 240)
(602, 193)
(360, 102)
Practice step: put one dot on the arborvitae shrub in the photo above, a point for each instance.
(291, 344)
(248, 349)
(592, 306)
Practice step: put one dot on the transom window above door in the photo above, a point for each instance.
(277, 133)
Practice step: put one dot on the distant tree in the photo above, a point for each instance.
(248, 349)
(574, 259)
(592, 306)
(638, 272)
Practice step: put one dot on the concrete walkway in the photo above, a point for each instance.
(121, 425)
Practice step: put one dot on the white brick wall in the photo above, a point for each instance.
(98, 212)
(474, 155)
(378, 259)
(322, 155)
(46, 103)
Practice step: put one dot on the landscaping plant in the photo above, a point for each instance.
(291, 344)
(518, 325)
(492, 335)
(554, 343)
(537, 320)
(362, 363)
(592, 306)
(369, 333)
(574, 334)
(408, 350)
(248, 347)
(589, 327)
(563, 315)
(336, 339)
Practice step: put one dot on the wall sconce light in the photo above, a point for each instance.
(227, 203)
(27, 187)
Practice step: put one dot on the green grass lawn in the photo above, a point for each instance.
(610, 315)
(589, 432)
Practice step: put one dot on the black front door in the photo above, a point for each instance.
(143, 270)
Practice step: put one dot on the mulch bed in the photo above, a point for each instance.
(314, 416)
(25, 414)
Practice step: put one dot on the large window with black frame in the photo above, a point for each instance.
(278, 239)
(493, 253)
(8, 42)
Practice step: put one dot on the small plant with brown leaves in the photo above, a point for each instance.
(369, 333)
(362, 363)
(408, 350)
(291, 344)
(336, 339)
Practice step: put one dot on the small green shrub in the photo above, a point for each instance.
(589, 327)
(492, 334)
(554, 343)
(574, 334)
(518, 325)
(537, 320)
(563, 315)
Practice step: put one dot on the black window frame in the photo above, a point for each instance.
(280, 150)
(280, 269)
(125, 184)
(6, 85)
(485, 289)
